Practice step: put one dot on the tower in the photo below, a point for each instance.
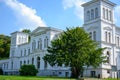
(17, 38)
(99, 23)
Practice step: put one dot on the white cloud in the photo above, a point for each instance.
(26, 16)
(76, 4)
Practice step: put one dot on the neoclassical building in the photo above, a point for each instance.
(98, 22)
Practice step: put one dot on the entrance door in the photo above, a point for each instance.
(93, 73)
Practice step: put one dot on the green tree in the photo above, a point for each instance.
(74, 48)
(26, 31)
(4, 46)
(28, 70)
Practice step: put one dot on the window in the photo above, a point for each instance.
(32, 60)
(38, 62)
(45, 64)
(110, 15)
(108, 57)
(21, 52)
(90, 35)
(7, 65)
(104, 13)
(11, 65)
(24, 62)
(94, 35)
(60, 72)
(109, 37)
(34, 45)
(108, 71)
(107, 14)
(25, 52)
(13, 52)
(92, 13)
(28, 62)
(96, 12)
(28, 51)
(117, 41)
(44, 43)
(40, 44)
(20, 63)
(88, 15)
(106, 36)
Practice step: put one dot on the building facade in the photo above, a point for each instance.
(98, 22)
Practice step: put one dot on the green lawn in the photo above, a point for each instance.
(42, 78)
(31, 78)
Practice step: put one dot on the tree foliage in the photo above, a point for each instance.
(74, 48)
(4, 46)
(26, 31)
(28, 70)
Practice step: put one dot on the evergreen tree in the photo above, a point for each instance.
(74, 48)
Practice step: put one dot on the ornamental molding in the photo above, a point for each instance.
(92, 28)
(39, 31)
(107, 28)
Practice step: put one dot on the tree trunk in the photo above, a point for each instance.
(76, 72)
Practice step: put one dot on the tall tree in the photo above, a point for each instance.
(4, 46)
(74, 48)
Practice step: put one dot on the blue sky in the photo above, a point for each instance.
(16, 15)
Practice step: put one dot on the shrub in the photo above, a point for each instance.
(1, 72)
(28, 70)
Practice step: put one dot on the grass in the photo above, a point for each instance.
(31, 78)
(2, 77)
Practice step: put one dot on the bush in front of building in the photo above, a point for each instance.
(28, 70)
(1, 72)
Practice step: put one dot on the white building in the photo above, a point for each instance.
(98, 22)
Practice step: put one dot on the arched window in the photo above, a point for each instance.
(92, 13)
(94, 35)
(24, 62)
(96, 12)
(88, 15)
(104, 13)
(106, 36)
(38, 62)
(34, 45)
(90, 35)
(25, 52)
(118, 41)
(108, 57)
(12, 65)
(110, 15)
(21, 52)
(28, 62)
(20, 63)
(32, 61)
(45, 64)
(107, 14)
(109, 37)
(45, 43)
(40, 44)
(28, 51)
